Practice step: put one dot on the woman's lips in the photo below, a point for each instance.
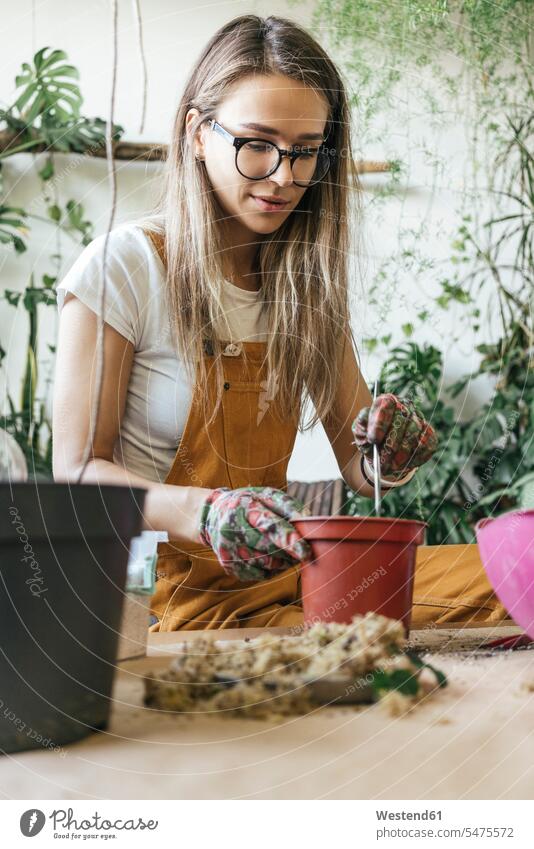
(265, 206)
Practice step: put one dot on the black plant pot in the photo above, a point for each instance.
(63, 558)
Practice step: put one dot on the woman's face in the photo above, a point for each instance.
(286, 112)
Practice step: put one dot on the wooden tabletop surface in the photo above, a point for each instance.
(472, 740)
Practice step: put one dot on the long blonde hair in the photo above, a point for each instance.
(303, 265)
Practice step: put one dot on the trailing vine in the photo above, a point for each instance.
(45, 114)
(417, 71)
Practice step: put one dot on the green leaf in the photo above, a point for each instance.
(47, 171)
(38, 106)
(54, 212)
(403, 680)
(49, 92)
(66, 71)
(440, 676)
(12, 298)
(38, 59)
(21, 102)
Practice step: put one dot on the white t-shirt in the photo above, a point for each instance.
(159, 391)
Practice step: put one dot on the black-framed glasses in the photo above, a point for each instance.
(257, 158)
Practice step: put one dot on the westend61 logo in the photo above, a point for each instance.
(66, 826)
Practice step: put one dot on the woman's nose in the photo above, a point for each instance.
(283, 176)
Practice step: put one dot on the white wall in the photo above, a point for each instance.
(174, 33)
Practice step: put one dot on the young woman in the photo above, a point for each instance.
(224, 311)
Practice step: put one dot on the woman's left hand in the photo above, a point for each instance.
(404, 438)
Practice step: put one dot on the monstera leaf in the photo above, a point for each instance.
(49, 93)
(47, 110)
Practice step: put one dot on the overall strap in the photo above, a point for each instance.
(158, 240)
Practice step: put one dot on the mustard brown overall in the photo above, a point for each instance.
(247, 445)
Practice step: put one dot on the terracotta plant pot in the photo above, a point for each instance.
(63, 558)
(360, 564)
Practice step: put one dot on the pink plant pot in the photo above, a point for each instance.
(360, 564)
(506, 546)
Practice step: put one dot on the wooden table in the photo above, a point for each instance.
(473, 740)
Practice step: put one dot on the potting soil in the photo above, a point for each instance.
(269, 677)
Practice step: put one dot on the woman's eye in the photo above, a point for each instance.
(259, 147)
(308, 153)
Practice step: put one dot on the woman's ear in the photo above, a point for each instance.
(198, 146)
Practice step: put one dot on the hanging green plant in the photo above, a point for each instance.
(381, 41)
(44, 116)
(46, 112)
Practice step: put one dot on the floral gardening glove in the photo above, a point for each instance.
(249, 530)
(404, 439)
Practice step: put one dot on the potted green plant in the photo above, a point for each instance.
(426, 69)
(63, 545)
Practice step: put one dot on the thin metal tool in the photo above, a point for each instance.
(334, 689)
(376, 465)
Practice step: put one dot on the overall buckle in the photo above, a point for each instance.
(232, 350)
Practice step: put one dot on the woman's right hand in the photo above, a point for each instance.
(250, 530)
